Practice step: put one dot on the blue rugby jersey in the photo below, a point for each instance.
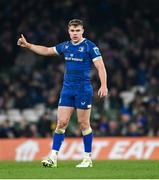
(78, 59)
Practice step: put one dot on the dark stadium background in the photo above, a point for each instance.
(126, 31)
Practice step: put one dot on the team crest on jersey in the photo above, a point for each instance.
(66, 46)
(96, 50)
(81, 49)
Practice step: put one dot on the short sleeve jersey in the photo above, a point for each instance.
(78, 59)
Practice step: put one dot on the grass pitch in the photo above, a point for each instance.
(66, 170)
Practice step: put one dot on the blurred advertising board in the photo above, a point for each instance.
(104, 148)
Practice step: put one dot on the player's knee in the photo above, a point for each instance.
(84, 125)
(62, 124)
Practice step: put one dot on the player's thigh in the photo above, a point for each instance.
(66, 97)
(83, 116)
(63, 115)
(83, 100)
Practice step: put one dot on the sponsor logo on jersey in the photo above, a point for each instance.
(73, 59)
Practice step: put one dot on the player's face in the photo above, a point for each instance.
(76, 33)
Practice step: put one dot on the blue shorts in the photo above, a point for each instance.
(79, 97)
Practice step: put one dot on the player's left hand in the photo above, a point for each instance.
(103, 91)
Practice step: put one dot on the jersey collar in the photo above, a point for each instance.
(78, 42)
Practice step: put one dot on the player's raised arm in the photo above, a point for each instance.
(103, 90)
(41, 50)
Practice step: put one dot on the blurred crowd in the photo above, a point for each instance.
(127, 33)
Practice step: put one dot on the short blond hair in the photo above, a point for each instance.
(75, 22)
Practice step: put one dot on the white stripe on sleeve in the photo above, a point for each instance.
(54, 48)
(97, 58)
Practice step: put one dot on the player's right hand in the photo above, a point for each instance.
(103, 91)
(22, 42)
